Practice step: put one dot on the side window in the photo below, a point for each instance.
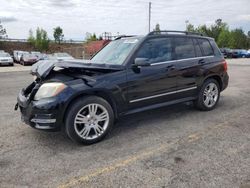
(206, 47)
(184, 48)
(197, 48)
(156, 50)
(216, 49)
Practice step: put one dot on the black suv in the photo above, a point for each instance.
(129, 75)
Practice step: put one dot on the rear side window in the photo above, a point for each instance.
(197, 48)
(156, 50)
(216, 49)
(206, 47)
(184, 48)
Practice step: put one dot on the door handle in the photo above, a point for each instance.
(202, 61)
(170, 67)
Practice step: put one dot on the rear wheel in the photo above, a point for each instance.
(89, 119)
(209, 95)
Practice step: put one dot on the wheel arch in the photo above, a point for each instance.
(215, 77)
(99, 93)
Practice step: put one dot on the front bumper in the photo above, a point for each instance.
(6, 63)
(45, 114)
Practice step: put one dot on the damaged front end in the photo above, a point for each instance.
(44, 102)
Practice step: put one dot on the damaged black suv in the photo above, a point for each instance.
(129, 75)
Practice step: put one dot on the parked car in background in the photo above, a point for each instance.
(243, 53)
(248, 53)
(28, 59)
(62, 56)
(15, 54)
(227, 52)
(49, 57)
(39, 55)
(18, 54)
(6, 59)
(235, 53)
(2, 51)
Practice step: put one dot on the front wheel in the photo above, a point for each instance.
(209, 95)
(89, 119)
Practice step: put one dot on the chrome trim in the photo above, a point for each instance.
(172, 61)
(43, 120)
(163, 94)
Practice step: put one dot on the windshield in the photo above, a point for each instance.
(4, 55)
(115, 52)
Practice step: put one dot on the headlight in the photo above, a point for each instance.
(49, 90)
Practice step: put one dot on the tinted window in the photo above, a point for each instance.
(197, 48)
(184, 48)
(206, 47)
(216, 49)
(156, 50)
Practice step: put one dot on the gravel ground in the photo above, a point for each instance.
(175, 146)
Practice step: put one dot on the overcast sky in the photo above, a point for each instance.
(77, 17)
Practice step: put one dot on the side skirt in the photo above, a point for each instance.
(158, 105)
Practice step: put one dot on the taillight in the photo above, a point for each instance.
(225, 65)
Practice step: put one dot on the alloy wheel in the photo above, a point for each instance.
(91, 121)
(210, 95)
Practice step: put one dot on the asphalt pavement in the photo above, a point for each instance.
(175, 146)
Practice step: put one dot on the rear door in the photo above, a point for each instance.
(187, 65)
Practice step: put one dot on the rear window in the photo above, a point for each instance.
(184, 48)
(206, 47)
(197, 48)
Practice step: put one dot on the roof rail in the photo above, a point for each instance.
(173, 31)
(124, 36)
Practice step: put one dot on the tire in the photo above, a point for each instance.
(207, 98)
(82, 126)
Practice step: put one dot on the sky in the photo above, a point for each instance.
(130, 17)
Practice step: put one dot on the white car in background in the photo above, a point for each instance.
(18, 54)
(62, 56)
(39, 55)
(6, 59)
(15, 53)
(2, 51)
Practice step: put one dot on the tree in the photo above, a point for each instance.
(238, 39)
(31, 38)
(40, 41)
(2, 31)
(224, 38)
(58, 34)
(190, 27)
(157, 27)
(91, 37)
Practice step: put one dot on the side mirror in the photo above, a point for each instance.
(141, 62)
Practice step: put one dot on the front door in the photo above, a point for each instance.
(155, 83)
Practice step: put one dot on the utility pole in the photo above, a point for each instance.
(149, 16)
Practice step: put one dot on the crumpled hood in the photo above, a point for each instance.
(42, 68)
